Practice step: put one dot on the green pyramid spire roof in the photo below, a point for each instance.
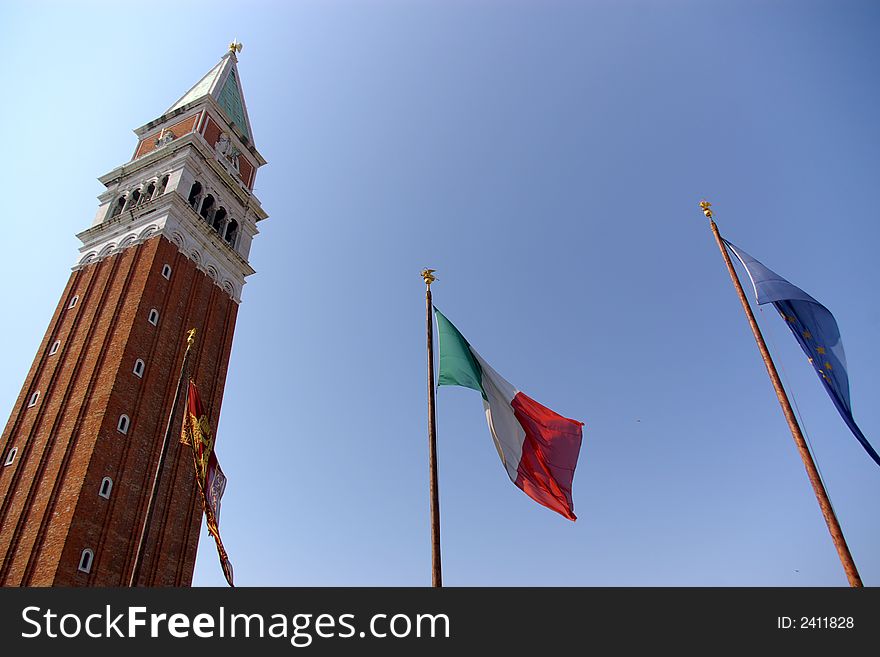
(223, 84)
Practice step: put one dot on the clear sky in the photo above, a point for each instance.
(547, 158)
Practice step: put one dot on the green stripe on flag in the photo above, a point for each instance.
(457, 365)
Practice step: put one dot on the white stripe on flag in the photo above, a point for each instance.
(507, 432)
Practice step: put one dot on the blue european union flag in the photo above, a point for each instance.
(816, 331)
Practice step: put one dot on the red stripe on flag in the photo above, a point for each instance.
(549, 454)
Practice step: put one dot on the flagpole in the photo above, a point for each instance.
(436, 575)
(843, 552)
(139, 554)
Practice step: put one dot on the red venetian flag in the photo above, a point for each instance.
(196, 432)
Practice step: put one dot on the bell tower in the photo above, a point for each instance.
(167, 251)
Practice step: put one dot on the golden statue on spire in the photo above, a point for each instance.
(235, 46)
(707, 209)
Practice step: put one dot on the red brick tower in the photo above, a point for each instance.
(168, 251)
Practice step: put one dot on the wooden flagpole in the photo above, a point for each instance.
(139, 555)
(436, 570)
(849, 566)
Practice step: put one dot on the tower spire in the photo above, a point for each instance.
(222, 85)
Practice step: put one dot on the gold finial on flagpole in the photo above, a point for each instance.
(190, 337)
(707, 209)
(428, 275)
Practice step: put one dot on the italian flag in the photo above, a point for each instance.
(538, 447)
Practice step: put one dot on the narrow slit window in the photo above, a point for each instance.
(153, 318)
(10, 458)
(85, 560)
(34, 398)
(139, 368)
(54, 348)
(106, 487)
(166, 271)
(123, 424)
(73, 301)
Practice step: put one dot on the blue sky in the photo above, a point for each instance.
(547, 158)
